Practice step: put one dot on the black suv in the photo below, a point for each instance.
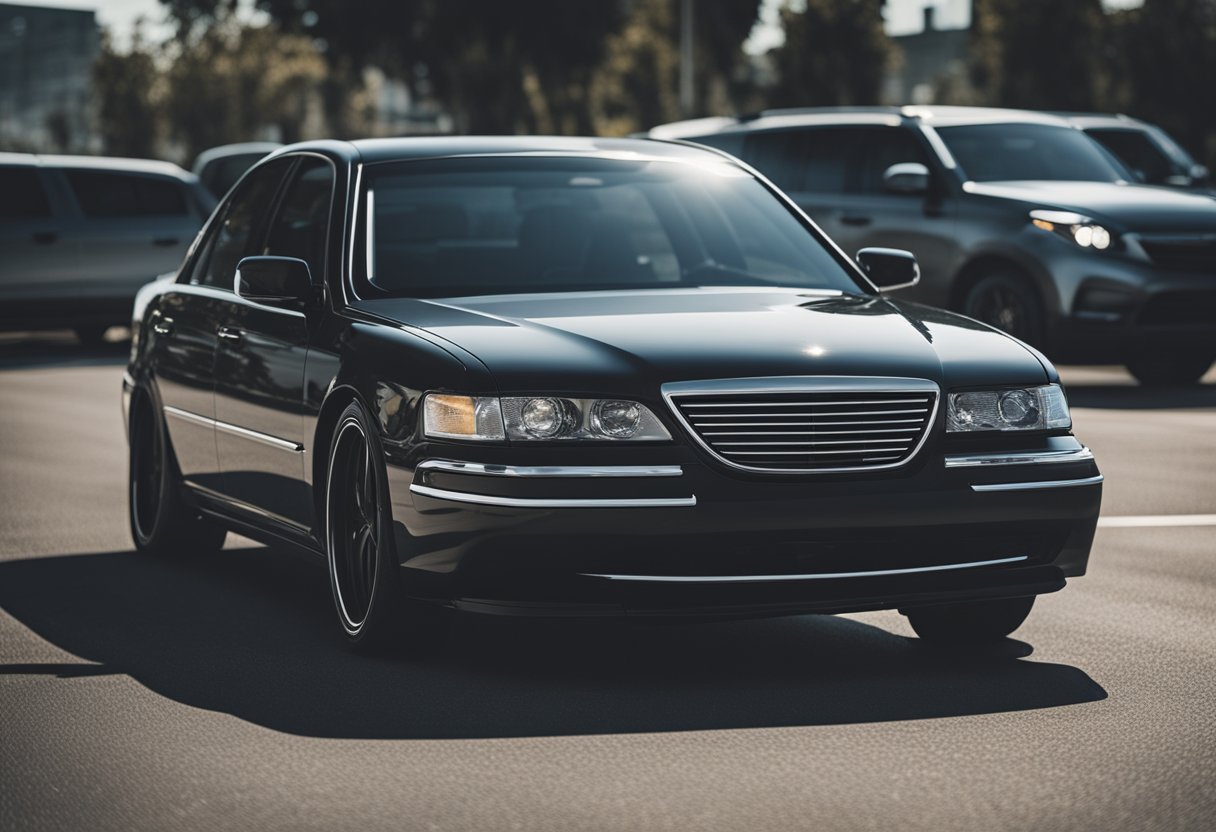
(1018, 219)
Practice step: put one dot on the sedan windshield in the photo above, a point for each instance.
(505, 225)
(1027, 152)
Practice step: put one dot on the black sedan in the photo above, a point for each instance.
(539, 376)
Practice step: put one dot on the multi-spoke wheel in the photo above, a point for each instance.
(363, 567)
(161, 522)
(1008, 303)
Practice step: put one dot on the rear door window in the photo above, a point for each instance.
(109, 195)
(818, 161)
(25, 197)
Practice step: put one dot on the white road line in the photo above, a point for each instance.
(1148, 520)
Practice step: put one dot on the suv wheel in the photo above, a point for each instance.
(970, 622)
(1162, 370)
(1006, 301)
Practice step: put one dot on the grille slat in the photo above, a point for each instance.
(809, 430)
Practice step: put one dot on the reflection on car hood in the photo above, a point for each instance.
(629, 341)
(1126, 207)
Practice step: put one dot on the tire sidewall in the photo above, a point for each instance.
(1035, 326)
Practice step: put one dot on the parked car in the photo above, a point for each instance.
(81, 234)
(219, 168)
(1147, 150)
(560, 376)
(1017, 219)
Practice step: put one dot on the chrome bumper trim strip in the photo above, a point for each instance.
(235, 430)
(818, 576)
(1035, 486)
(455, 467)
(547, 502)
(1018, 458)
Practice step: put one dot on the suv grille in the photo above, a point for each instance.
(817, 429)
(1196, 254)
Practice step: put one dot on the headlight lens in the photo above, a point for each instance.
(1075, 228)
(533, 418)
(1025, 408)
(463, 417)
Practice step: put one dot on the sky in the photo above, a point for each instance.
(903, 17)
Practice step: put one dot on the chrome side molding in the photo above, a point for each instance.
(1018, 458)
(235, 430)
(815, 576)
(1036, 486)
(552, 502)
(455, 467)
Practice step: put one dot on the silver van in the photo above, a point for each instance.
(79, 235)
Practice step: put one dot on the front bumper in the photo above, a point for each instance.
(1117, 308)
(683, 536)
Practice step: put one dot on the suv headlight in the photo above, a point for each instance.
(1021, 408)
(538, 418)
(1076, 228)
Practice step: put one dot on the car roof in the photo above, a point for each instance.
(373, 151)
(237, 149)
(944, 116)
(107, 163)
(1087, 120)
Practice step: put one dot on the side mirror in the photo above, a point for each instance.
(889, 268)
(1199, 174)
(282, 282)
(906, 178)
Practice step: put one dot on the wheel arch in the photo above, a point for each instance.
(339, 397)
(988, 263)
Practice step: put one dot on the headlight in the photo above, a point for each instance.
(1075, 228)
(1024, 408)
(533, 418)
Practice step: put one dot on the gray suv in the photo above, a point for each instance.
(81, 234)
(1018, 219)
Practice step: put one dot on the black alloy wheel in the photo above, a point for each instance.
(1008, 303)
(161, 522)
(363, 570)
(970, 622)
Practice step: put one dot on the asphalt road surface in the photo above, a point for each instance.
(214, 694)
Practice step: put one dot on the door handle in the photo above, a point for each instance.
(165, 241)
(44, 237)
(163, 327)
(228, 333)
(856, 219)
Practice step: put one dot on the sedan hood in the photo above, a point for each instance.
(630, 342)
(1126, 207)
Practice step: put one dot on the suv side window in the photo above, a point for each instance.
(819, 160)
(106, 194)
(24, 195)
(883, 147)
(240, 226)
(301, 228)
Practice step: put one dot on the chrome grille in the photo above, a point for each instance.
(808, 425)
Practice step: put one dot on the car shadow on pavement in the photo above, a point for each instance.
(248, 633)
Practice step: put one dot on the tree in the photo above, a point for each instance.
(835, 53)
(126, 84)
(1038, 54)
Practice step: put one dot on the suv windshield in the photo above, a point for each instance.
(502, 225)
(1021, 152)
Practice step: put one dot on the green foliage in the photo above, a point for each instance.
(126, 84)
(835, 53)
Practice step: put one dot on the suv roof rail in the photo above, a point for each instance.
(794, 111)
